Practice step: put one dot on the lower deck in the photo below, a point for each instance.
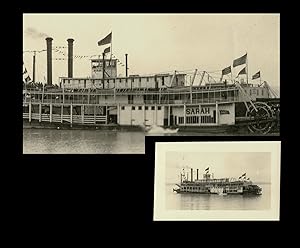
(182, 115)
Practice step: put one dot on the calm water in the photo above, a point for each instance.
(92, 141)
(176, 201)
(82, 141)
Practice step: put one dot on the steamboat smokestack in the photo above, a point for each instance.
(191, 174)
(49, 60)
(197, 174)
(70, 57)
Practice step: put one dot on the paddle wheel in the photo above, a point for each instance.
(263, 117)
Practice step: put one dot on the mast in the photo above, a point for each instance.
(126, 67)
(33, 67)
(247, 67)
(110, 55)
(103, 69)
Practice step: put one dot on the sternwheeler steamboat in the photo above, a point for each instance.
(220, 186)
(107, 101)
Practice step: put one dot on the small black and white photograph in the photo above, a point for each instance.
(217, 181)
(100, 83)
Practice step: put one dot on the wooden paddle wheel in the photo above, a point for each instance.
(263, 117)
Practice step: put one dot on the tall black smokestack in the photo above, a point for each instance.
(70, 57)
(197, 174)
(49, 60)
(191, 174)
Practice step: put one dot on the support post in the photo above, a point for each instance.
(51, 110)
(217, 113)
(82, 114)
(199, 114)
(184, 114)
(169, 114)
(61, 113)
(155, 112)
(119, 112)
(71, 114)
(30, 111)
(106, 114)
(40, 112)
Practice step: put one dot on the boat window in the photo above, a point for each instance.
(153, 108)
(123, 107)
(147, 79)
(140, 107)
(133, 107)
(159, 108)
(146, 107)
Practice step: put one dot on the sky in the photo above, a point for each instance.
(158, 43)
(256, 165)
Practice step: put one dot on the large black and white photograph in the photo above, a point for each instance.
(100, 83)
(217, 181)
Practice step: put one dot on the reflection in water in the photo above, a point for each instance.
(47, 141)
(218, 202)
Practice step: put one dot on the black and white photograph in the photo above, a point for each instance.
(217, 181)
(100, 83)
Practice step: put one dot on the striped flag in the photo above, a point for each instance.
(105, 40)
(226, 70)
(256, 75)
(243, 71)
(240, 61)
(207, 169)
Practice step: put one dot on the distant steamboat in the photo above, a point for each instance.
(105, 100)
(221, 186)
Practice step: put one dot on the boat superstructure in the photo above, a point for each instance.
(166, 100)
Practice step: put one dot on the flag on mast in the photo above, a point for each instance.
(106, 40)
(226, 70)
(256, 75)
(107, 50)
(240, 61)
(243, 71)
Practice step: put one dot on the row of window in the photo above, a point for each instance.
(140, 107)
(126, 80)
(195, 119)
(256, 92)
(192, 188)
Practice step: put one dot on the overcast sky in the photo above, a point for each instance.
(158, 42)
(257, 165)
